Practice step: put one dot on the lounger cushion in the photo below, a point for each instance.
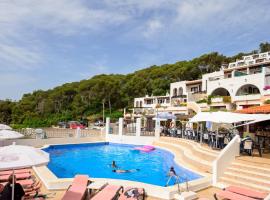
(18, 176)
(232, 196)
(246, 192)
(108, 192)
(77, 189)
(16, 171)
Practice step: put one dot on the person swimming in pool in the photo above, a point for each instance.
(113, 165)
(125, 170)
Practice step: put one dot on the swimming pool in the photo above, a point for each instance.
(94, 159)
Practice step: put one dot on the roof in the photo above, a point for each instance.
(193, 82)
(256, 109)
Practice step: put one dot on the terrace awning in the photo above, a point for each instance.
(223, 117)
(259, 119)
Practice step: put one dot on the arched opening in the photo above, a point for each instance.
(174, 92)
(180, 91)
(140, 104)
(220, 92)
(247, 89)
(137, 104)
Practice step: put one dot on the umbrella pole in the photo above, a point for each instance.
(13, 184)
(201, 135)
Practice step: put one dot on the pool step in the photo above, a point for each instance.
(187, 156)
(197, 149)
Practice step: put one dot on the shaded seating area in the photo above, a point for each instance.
(29, 183)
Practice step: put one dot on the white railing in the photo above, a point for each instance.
(136, 136)
(225, 158)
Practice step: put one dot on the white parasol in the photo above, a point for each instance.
(5, 127)
(17, 156)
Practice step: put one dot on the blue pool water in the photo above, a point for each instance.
(94, 159)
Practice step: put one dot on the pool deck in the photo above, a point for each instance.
(53, 183)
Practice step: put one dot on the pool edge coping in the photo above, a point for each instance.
(52, 182)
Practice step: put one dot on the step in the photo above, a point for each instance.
(254, 161)
(192, 143)
(248, 178)
(229, 181)
(198, 150)
(253, 173)
(250, 167)
(188, 156)
(190, 153)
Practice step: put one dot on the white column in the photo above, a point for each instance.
(78, 132)
(138, 127)
(120, 128)
(157, 128)
(107, 126)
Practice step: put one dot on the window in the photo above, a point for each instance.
(180, 91)
(174, 92)
(194, 89)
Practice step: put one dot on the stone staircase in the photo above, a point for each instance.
(249, 172)
(191, 153)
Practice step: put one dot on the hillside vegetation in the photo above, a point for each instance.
(79, 100)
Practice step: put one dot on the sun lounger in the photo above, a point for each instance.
(24, 183)
(108, 192)
(34, 188)
(77, 190)
(17, 171)
(131, 193)
(231, 196)
(18, 176)
(246, 192)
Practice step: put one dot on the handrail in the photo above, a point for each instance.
(225, 158)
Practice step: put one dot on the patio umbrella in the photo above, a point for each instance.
(5, 127)
(8, 134)
(18, 156)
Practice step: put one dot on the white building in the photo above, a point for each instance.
(239, 85)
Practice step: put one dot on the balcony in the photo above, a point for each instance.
(248, 97)
(179, 96)
(221, 99)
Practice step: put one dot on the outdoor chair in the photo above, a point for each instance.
(108, 192)
(206, 138)
(247, 192)
(77, 190)
(18, 177)
(16, 171)
(248, 146)
(230, 195)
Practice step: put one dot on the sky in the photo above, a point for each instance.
(46, 43)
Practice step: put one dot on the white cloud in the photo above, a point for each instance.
(18, 56)
(152, 27)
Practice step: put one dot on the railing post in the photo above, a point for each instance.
(120, 127)
(157, 128)
(138, 127)
(225, 158)
(107, 125)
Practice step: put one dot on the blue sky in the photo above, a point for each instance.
(47, 43)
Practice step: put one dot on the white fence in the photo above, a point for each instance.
(136, 136)
(225, 158)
